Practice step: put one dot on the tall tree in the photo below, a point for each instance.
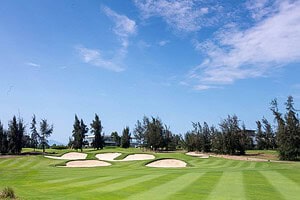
(83, 130)
(16, 131)
(96, 128)
(35, 137)
(46, 130)
(76, 133)
(125, 139)
(233, 135)
(154, 134)
(139, 131)
(3, 140)
(260, 138)
(288, 130)
(270, 140)
(116, 138)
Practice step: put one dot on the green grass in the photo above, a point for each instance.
(36, 177)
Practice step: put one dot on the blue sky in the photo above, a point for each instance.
(183, 61)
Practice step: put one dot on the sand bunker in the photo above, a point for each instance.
(87, 163)
(138, 157)
(197, 154)
(108, 156)
(70, 156)
(112, 156)
(168, 163)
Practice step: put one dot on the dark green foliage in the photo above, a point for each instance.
(76, 133)
(260, 136)
(288, 130)
(125, 139)
(139, 131)
(265, 138)
(116, 138)
(16, 131)
(154, 134)
(35, 137)
(45, 130)
(234, 136)
(96, 129)
(26, 141)
(3, 140)
(83, 130)
(199, 139)
(7, 193)
(79, 132)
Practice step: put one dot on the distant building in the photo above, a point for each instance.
(108, 141)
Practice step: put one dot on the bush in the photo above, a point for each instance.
(7, 192)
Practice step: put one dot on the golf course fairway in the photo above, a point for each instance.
(37, 177)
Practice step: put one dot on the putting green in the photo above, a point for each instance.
(36, 177)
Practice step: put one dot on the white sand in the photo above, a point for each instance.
(70, 156)
(108, 156)
(197, 154)
(87, 163)
(170, 163)
(138, 157)
(112, 156)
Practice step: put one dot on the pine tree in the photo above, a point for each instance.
(35, 137)
(288, 130)
(45, 130)
(83, 131)
(116, 138)
(16, 131)
(76, 133)
(3, 140)
(125, 139)
(96, 128)
(260, 138)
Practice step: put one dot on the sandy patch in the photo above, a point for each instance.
(69, 156)
(108, 156)
(138, 157)
(197, 154)
(170, 163)
(87, 163)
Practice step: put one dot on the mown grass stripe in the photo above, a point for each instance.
(199, 189)
(256, 185)
(137, 188)
(291, 174)
(230, 186)
(167, 189)
(128, 182)
(285, 186)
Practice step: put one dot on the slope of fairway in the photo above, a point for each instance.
(36, 177)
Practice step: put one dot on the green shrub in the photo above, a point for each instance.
(8, 192)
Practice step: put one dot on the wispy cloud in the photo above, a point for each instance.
(163, 42)
(254, 52)
(182, 15)
(124, 27)
(32, 64)
(94, 57)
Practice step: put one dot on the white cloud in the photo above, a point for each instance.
(32, 64)
(94, 57)
(163, 42)
(239, 54)
(124, 27)
(182, 15)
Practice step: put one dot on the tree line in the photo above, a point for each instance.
(232, 137)
(15, 138)
(229, 137)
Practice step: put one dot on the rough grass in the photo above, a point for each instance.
(36, 177)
